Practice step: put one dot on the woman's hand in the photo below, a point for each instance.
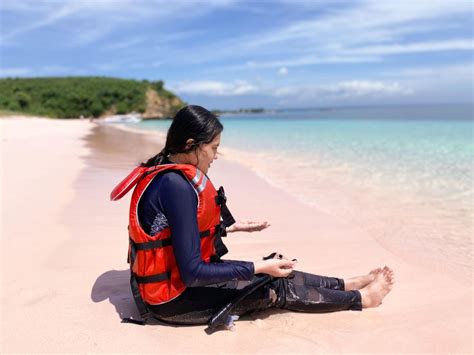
(274, 267)
(247, 226)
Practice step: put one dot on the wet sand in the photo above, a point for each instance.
(65, 277)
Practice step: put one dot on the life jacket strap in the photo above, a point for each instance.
(221, 200)
(154, 244)
(161, 243)
(152, 278)
(133, 321)
(219, 245)
(141, 306)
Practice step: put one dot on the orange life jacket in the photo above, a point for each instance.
(155, 278)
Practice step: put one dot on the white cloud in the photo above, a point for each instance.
(450, 45)
(49, 70)
(92, 20)
(14, 5)
(48, 16)
(105, 67)
(365, 22)
(344, 90)
(13, 72)
(359, 88)
(454, 71)
(350, 89)
(53, 70)
(283, 71)
(358, 32)
(288, 91)
(445, 83)
(214, 88)
(304, 60)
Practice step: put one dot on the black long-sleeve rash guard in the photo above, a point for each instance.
(170, 200)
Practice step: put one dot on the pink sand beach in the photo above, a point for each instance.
(65, 276)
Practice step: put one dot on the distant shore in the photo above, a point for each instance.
(241, 110)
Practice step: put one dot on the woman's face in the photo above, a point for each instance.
(207, 153)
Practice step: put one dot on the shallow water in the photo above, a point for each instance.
(405, 174)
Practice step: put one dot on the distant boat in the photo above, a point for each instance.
(129, 118)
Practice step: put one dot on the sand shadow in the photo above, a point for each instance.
(115, 286)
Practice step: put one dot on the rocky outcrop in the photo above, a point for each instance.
(158, 106)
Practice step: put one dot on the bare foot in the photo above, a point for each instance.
(374, 293)
(358, 282)
(375, 271)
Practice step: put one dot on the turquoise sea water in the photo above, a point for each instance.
(403, 173)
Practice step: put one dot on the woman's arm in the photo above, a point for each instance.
(247, 226)
(178, 202)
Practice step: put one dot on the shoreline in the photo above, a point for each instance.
(83, 261)
(392, 224)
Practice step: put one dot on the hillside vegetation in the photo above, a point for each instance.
(71, 97)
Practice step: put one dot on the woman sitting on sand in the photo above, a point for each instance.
(176, 222)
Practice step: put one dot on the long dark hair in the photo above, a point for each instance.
(191, 122)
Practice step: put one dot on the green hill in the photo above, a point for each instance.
(71, 97)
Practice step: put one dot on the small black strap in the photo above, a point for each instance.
(133, 321)
(227, 217)
(220, 230)
(205, 233)
(141, 306)
(152, 278)
(155, 244)
(219, 245)
(221, 200)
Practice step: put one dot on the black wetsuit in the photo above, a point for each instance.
(170, 201)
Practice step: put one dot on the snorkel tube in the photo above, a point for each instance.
(224, 317)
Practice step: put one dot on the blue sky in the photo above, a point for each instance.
(231, 54)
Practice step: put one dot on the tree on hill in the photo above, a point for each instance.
(71, 97)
